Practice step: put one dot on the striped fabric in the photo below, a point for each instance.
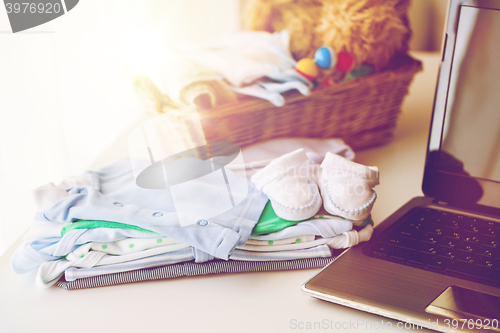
(320, 251)
(192, 269)
(168, 258)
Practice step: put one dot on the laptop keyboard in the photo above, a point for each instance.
(452, 244)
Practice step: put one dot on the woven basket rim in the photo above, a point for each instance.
(407, 68)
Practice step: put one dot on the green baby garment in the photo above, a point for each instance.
(270, 222)
(89, 224)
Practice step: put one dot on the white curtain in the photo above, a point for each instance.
(65, 88)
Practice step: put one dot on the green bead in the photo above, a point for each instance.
(297, 240)
(131, 245)
(104, 247)
(159, 240)
(270, 242)
(83, 255)
(360, 71)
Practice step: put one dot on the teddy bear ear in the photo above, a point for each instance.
(257, 15)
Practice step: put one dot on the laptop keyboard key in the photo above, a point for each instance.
(487, 252)
(408, 243)
(462, 268)
(490, 228)
(468, 247)
(383, 250)
(397, 240)
(439, 263)
(428, 248)
(434, 229)
(472, 238)
(491, 224)
(449, 242)
(471, 227)
(453, 222)
(475, 220)
(493, 243)
(489, 231)
(443, 214)
(487, 273)
(486, 262)
(415, 222)
(452, 233)
(466, 257)
(402, 255)
(410, 233)
(432, 239)
(392, 239)
(420, 259)
(447, 253)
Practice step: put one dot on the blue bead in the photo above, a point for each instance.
(325, 57)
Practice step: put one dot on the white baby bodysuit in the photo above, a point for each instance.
(49, 272)
(292, 240)
(121, 247)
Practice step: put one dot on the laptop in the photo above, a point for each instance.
(435, 262)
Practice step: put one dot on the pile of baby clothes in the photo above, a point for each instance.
(292, 183)
(251, 63)
(277, 239)
(101, 228)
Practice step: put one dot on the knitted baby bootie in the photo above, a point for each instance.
(347, 187)
(291, 186)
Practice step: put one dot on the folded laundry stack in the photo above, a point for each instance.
(102, 229)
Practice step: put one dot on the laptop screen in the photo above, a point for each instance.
(463, 161)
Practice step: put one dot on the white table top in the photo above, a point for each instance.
(244, 302)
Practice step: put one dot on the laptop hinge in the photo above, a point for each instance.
(439, 202)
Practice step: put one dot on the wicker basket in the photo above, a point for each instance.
(363, 112)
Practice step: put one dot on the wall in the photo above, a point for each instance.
(427, 19)
(66, 91)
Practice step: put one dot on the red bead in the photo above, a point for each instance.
(345, 62)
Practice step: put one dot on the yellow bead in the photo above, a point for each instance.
(307, 67)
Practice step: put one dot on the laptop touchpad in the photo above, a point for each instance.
(465, 304)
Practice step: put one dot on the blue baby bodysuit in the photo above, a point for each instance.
(114, 196)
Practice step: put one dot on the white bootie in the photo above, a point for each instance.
(347, 187)
(291, 185)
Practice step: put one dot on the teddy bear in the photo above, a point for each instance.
(371, 31)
